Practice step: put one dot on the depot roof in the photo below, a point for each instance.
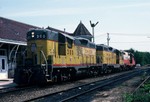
(13, 32)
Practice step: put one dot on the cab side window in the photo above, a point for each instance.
(69, 43)
(61, 44)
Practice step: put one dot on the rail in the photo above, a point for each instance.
(77, 91)
(141, 84)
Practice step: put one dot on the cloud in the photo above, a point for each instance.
(49, 12)
(39, 12)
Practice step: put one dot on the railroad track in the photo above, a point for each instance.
(70, 94)
(142, 83)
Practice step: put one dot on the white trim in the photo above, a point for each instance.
(12, 51)
(14, 61)
(13, 42)
(4, 73)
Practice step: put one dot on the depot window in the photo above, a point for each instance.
(3, 64)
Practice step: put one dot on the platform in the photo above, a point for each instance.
(6, 83)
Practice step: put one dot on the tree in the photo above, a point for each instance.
(142, 58)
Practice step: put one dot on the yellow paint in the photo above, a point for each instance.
(107, 57)
(75, 55)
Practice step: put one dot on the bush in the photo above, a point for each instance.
(142, 95)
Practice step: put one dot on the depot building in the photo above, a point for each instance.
(12, 44)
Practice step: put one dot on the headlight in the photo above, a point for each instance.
(32, 34)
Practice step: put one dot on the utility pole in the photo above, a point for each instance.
(93, 25)
(108, 39)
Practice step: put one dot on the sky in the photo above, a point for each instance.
(126, 21)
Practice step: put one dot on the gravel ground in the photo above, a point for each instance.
(116, 94)
(29, 94)
(111, 94)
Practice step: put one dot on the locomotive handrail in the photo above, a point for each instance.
(14, 60)
(45, 61)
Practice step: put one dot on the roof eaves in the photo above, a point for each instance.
(13, 42)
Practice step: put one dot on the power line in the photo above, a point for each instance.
(126, 34)
(130, 34)
(123, 34)
(133, 42)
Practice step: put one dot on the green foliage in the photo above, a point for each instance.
(142, 58)
(147, 88)
(128, 97)
(142, 95)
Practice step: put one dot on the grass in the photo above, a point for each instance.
(142, 94)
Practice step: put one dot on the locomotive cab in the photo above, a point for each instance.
(37, 64)
(129, 60)
(50, 57)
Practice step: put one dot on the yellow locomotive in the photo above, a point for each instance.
(55, 56)
(111, 59)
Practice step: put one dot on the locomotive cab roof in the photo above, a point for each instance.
(50, 34)
(67, 36)
(84, 42)
(54, 35)
(103, 47)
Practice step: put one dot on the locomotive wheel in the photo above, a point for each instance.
(41, 77)
(72, 75)
(59, 78)
(105, 71)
